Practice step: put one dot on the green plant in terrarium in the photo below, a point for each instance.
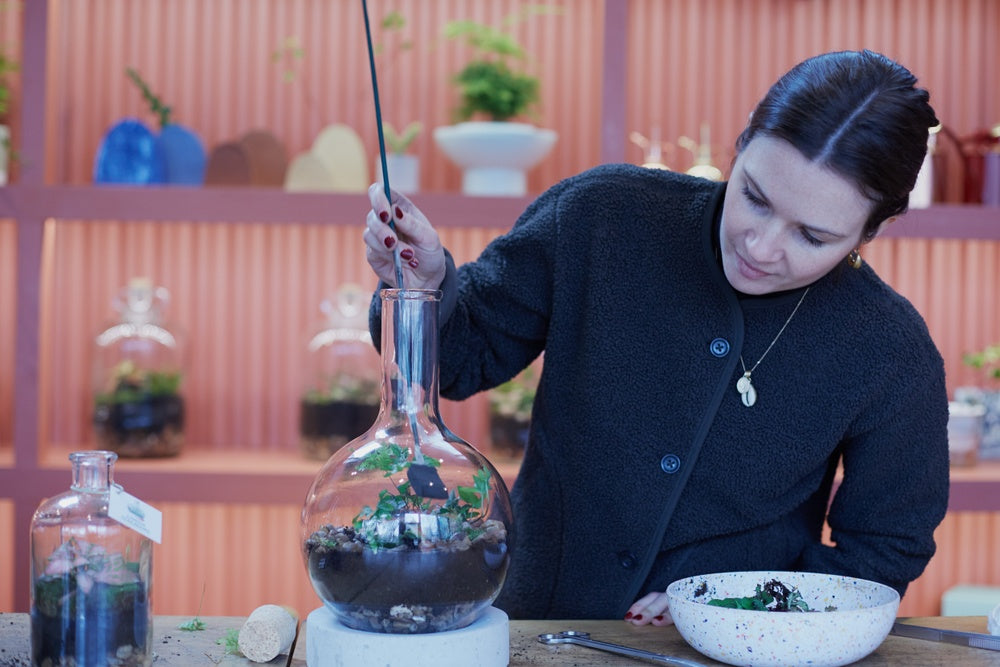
(7, 66)
(986, 360)
(462, 511)
(515, 397)
(345, 388)
(132, 384)
(494, 83)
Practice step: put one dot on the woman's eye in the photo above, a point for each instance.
(754, 200)
(810, 239)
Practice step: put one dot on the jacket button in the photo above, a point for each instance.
(719, 347)
(670, 463)
(627, 559)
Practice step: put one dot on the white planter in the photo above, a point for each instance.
(404, 172)
(494, 156)
(4, 153)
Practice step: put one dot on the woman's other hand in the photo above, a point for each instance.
(650, 609)
(420, 252)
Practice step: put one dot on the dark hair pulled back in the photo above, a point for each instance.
(858, 113)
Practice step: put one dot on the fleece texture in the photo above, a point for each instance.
(643, 464)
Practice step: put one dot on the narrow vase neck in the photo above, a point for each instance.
(410, 350)
(93, 471)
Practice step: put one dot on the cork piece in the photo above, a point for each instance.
(268, 632)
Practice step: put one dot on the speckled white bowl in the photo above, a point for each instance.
(864, 615)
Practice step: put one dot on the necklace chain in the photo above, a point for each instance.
(744, 385)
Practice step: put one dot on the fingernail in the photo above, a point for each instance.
(406, 253)
(637, 617)
(414, 263)
(628, 616)
(399, 213)
(383, 216)
(389, 241)
(658, 618)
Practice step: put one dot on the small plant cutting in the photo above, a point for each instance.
(495, 83)
(435, 561)
(399, 142)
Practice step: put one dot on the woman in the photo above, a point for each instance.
(713, 353)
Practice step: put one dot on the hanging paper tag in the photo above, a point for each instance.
(137, 515)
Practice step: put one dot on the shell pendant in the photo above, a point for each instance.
(747, 392)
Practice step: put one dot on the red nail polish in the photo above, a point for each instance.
(406, 253)
(637, 617)
(399, 213)
(383, 216)
(389, 241)
(658, 618)
(414, 263)
(628, 616)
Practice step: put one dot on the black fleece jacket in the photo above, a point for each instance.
(643, 464)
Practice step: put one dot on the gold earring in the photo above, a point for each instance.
(854, 259)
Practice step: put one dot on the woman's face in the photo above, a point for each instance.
(786, 221)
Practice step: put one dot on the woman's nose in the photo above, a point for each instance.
(764, 244)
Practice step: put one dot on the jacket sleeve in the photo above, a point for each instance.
(894, 487)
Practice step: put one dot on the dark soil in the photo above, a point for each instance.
(147, 428)
(407, 589)
(326, 427)
(108, 625)
(509, 435)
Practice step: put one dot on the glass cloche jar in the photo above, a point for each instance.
(91, 576)
(138, 404)
(342, 371)
(407, 528)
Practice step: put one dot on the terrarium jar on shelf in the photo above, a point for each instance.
(342, 371)
(408, 528)
(91, 576)
(138, 404)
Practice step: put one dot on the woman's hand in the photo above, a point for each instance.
(650, 609)
(420, 252)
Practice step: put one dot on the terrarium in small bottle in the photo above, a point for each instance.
(342, 371)
(91, 576)
(138, 403)
(407, 528)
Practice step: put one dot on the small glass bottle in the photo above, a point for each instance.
(138, 404)
(407, 528)
(91, 576)
(340, 396)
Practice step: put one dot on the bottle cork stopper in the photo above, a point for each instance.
(268, 632)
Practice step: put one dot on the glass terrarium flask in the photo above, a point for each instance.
(91, 576)
(342, 371)
(407, 528)
(138, 404)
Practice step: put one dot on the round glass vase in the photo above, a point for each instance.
(340, 396)
(138, 403)
(408, 528)
(91, 576)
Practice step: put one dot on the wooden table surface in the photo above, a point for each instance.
(178, 648)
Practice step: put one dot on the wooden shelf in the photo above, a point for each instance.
(235, 476)
(239, 204)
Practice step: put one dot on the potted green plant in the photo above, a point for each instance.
(7, 66)
(495, 89)
(987, 394)
(403, 167)
(510, 413)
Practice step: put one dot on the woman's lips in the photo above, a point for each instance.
(748, 270)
